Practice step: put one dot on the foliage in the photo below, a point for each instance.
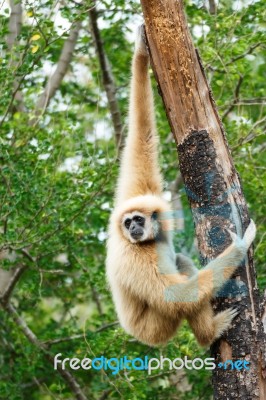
(57, 181)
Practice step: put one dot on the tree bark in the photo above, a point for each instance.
(213, 188)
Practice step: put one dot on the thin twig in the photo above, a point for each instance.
(38, 212)
(54, 271)
(249, 51)
(251, 134)
(236, 97)
(95, 295)
(19, 83)
(52, 342)
(252, 103)
(234, 59)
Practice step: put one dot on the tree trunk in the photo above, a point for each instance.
(213, 189)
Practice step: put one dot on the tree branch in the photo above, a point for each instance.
(249, 51)
(4, 299)
(15, 23)
(251, 134)
(14, 29)
(107, 78)
(66, 375)
(234, 59)
(55, 80)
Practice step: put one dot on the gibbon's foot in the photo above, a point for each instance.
(223, 321)
(140, 43)
(208, 327)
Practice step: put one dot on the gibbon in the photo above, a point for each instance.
(153, 288)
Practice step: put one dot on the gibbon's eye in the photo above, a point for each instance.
(139, 220)
(127, 223)
(154, 215)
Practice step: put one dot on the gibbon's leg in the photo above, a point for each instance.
(208, 327)
(154, 328)
(139, 172)
(185, 265)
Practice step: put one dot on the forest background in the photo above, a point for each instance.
(64, 78)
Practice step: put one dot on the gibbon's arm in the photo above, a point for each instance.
(167, 293)
(139, 171)
(227, 262)
(209, 280)
(185, 265)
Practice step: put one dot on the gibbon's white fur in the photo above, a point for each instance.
(153, 288)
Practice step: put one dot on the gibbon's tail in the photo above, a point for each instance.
(139, 170)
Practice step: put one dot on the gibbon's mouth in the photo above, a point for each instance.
(143, 239)
(137, 234)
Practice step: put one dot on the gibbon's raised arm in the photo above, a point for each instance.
(139, 172)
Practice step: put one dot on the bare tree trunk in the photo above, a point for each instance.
(213, 189)
(107, 78)
(15, 22)
(55, 80)
(14, 29)
(212, 7)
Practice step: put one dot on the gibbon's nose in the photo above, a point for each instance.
(136, 231)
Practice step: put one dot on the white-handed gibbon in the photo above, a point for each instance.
(153, 288)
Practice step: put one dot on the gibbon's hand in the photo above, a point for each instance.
(248, 238)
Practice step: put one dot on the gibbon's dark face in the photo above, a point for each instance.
(138, 227)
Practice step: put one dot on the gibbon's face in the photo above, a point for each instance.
(139, 227)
